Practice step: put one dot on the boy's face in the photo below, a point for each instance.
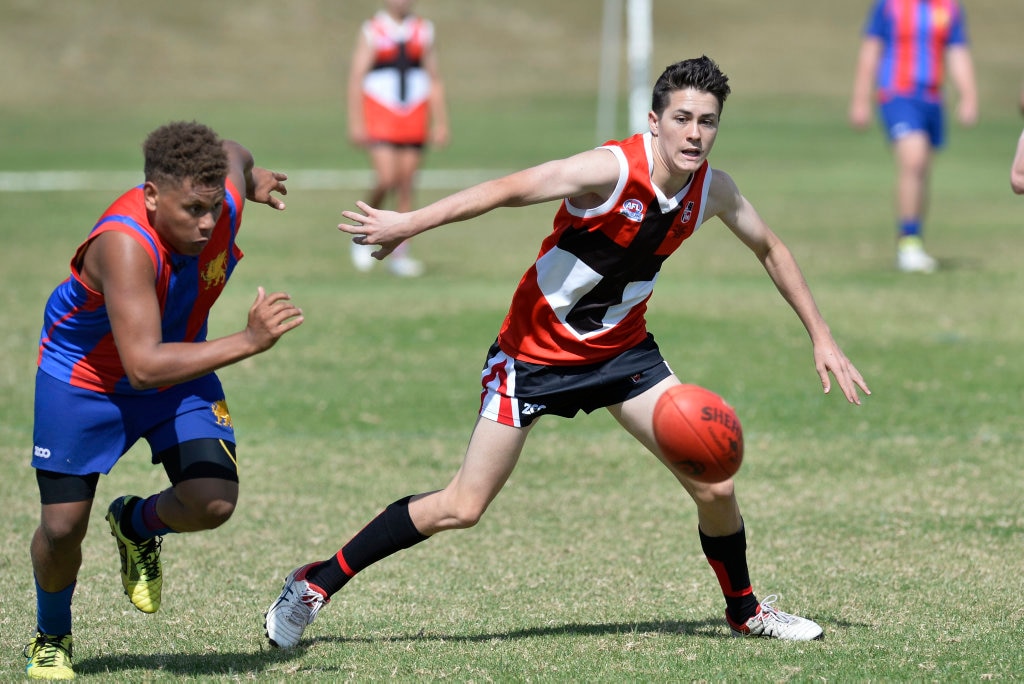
(184, 215)
(686, 130)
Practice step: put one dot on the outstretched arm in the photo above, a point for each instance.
(726, 202)
(256, 182)
(589, 175)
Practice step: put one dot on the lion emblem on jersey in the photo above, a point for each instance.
(220, 410)
(216, 271)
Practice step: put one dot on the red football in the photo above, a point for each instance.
(699, 432)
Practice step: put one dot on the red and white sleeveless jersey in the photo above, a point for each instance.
(584, 299)
(397, 88)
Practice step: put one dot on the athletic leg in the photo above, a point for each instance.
(721, 531)
(718, 512)
(490, 458)
(384, 160)
(56, 552)
(406, 162)
(383, 163)
(195, 505)
(913, 165)
(204, 477)
(406, 165)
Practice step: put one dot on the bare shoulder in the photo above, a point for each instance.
(723, 195)
(599, 160)
(113, 256)
(589, 176)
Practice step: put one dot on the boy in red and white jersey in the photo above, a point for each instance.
(575, 337)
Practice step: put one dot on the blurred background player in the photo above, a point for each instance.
(396, 105)
(1017, 168)
(123, 356)
(906, 49)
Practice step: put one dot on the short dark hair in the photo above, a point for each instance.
(700, 73)
(183, 150)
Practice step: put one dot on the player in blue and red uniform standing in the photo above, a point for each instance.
(123, 356)
(396, 107)
(904, 54)
(575, 337)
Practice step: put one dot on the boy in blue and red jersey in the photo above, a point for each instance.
(123, 355)
(904, 54)
(575, 337)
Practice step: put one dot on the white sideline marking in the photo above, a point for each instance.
(302, 179)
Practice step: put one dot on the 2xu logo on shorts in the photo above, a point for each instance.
(40, 452)
(531, 409)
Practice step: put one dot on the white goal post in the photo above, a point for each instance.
(638, 59)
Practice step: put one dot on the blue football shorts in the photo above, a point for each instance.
(80, 432)
(516, 392)
(904, 115)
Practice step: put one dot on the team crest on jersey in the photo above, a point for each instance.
(633, 209)
(687, 212)
(684, 219)
(220, 411)
(216, 271)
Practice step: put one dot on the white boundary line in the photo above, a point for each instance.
(302, 179)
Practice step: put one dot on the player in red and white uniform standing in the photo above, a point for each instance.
(575, 337)
(396, 107)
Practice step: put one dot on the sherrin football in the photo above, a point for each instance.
(699, 433)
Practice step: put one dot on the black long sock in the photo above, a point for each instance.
(388, 533)
(728, 557)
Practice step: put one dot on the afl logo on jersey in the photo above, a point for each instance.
(633, 209)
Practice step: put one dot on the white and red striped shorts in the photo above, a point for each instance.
(516, 392)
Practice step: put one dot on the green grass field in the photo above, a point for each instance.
(898, 525)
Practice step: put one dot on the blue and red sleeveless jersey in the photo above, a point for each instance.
(584, 299)
(915, 35)
(76, 344)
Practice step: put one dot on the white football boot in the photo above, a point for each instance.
(772, 623)
(911, 257)
(295, 608)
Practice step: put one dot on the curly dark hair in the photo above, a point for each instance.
(700, 73)
(184, 150)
